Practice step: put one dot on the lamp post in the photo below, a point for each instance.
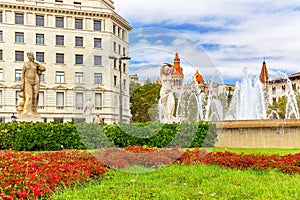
(121, 91)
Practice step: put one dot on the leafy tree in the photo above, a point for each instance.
(133, 87)
(143, 102)
(279, 106)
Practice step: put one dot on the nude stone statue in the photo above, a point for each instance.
(166, 96)
(88, 110)
(30, 86)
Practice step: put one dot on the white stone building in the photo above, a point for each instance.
(73, 39)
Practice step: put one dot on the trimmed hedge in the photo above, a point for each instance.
(39, 136)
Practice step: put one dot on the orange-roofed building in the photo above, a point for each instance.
(198, 78)
(177, 76)
(264, 75)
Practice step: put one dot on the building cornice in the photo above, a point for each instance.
(29, 8)
(104, 13)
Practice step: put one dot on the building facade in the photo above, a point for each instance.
(281, 86)
(74, 40)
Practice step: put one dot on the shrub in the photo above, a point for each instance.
(27, 136)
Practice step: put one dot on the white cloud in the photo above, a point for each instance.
(243, 31)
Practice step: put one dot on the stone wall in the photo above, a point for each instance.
(259, 134)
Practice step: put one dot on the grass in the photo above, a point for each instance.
(188, 182)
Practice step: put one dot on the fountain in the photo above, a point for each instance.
(244, 121)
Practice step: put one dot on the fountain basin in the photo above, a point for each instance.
(269, 133)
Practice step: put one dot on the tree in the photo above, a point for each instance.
(144, 102)
(279, 107)
(134, 85)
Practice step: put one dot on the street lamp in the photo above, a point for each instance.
(120, 97)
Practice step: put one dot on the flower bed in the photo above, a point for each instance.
(29, 175)
(286, 164)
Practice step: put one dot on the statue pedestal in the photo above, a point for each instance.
(30, 118)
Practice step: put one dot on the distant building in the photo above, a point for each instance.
(73, 40)
(279, 87)
(276, 88)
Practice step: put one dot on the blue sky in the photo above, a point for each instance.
(217, 37)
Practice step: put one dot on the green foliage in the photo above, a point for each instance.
(26, 136)
(144, 99)
(279, 106)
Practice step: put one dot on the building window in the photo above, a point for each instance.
(98, 101)
(40, 56)
(60, 58)
(59, 1)
(273, 90)
(19, 18)
(115, 46)
(97, 43)
(78, 24)
(1, 74)
(19, 56)
(1, 54)
(124, 84)
(123, 35)
(124, 67)
(283, 88)
(119, 31)
(39, 20)
(42, 77)
(60, 100)
(119, 49)
(78, 41)
(115, 80)
(19, 37)
(60, 77)
(77, 3)
(79, 77)
(98, 60)
(78, 59)
(1, 36)
(98, 78)
(79, 100)
(97, 25)
(59, 22)
(115, 64)
(1, 16)
(114, 29)
(18, 98)
(60, 40)
(41, 100)
(40, 38)
(124, 51)
(18, 75)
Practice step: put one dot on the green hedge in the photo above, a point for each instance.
(25, 136)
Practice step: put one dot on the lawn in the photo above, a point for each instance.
(189, 182)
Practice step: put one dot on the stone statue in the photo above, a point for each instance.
(97, 118)
(166, 96)
(88, 110)
(30, 87)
